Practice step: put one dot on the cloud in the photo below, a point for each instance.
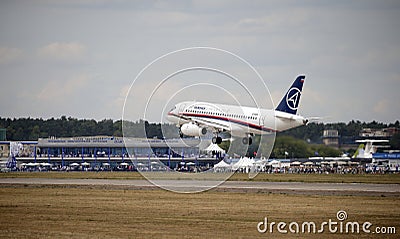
(62, 51)
(119, 101)
(381, 107)
(275, 21)
(383, 58)
(8, 54)
(55, 90)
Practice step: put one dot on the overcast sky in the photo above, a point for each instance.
(78, 58)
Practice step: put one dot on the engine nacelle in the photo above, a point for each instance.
(190, 129)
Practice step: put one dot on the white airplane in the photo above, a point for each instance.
(196, 118)
(370, 147)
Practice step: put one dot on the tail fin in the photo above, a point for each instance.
(359, 151)
(291, 100)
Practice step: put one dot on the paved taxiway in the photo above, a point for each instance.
(236, 186)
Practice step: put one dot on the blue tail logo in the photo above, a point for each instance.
(292, 98)
(290, 102)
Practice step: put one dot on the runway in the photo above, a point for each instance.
(228, 186)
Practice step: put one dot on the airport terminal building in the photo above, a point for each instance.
(108, 150)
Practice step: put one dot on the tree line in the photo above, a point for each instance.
(32, 129)
(347, 132)
(19, 129)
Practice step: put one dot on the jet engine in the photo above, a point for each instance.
(190, 129)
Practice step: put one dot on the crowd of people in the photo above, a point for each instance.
(317, 169)
(243, 165)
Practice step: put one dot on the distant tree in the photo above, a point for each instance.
(395, 124)
(105, 127)
(287, 146)
(311, 132)
(324, 151)
(35, 133)
(117, 128)
(352, 129)
(169, 131)
(19, 134)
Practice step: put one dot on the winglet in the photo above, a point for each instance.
(291, 100)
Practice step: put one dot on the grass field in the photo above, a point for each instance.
(73, 211)
(95, 212)
(333, 178)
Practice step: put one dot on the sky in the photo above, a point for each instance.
(81, 58)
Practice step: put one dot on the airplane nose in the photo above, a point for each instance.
(169, 116)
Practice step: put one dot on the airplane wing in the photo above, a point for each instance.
(211, 123)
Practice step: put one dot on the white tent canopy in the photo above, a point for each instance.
(243, 163)
(222, 164)
(262, 161)
(295, 163)
(274, 163)
(214, 147)
(32, 164)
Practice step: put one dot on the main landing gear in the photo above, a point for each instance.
(217, 140)
(247, 140)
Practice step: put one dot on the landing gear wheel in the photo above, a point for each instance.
(246, 140)
(216, 140)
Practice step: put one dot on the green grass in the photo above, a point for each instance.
(323, 178)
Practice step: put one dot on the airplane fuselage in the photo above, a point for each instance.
(240, 120)
(194, 118)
